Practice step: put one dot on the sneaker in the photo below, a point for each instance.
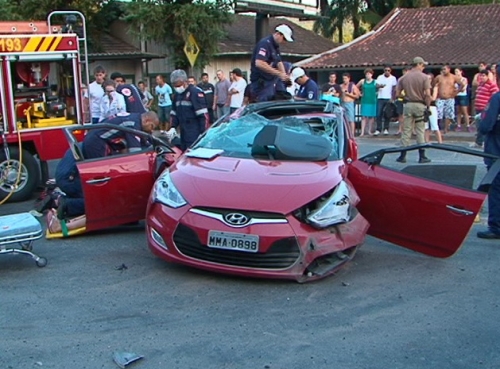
(424, 160)
(401, 159)
(470, 128)
(386, 132)
(376, 133)
(458, 129)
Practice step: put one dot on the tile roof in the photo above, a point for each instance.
(240, 38)
(111, 47)
(456, 35)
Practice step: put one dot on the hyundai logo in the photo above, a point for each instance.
(236, 219)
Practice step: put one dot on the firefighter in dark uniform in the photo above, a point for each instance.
(189, 115)
(489, 126)
(266, 65)
(99, 142)
(68, 180)
(308, 90)
(208, 90)
(133, 96)
(96, 144)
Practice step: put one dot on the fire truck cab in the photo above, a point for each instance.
(41, 91)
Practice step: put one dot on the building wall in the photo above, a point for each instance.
(120, 30)
(227, 64)
(131, 69)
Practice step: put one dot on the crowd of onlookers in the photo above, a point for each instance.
(456, 101)
(370, 104)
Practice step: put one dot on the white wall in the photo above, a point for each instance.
(227, 64)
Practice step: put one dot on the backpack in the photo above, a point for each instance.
(390, 111)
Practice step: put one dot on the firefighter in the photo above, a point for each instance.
(68, 180)
(98, 142)
(189, 115)
(266, 65)
(133, 97)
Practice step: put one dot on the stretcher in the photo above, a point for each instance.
(20, 230)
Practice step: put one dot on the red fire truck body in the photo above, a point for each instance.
(41, 92)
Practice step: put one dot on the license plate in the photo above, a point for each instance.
(233, 241)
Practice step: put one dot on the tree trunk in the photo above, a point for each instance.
(340, 28)
(324, 7)
(356, 23)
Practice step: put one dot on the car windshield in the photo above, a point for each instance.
(236, 137)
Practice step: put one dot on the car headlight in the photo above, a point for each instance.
(333, 210)
(165, 192)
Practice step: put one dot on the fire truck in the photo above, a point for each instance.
(42, 66)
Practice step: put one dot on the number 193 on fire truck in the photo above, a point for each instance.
(41, 91)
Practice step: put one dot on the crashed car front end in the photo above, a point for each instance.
(256, 216)
(256, 243)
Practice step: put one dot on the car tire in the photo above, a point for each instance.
(29, 179)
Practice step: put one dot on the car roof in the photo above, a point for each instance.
(256, 107)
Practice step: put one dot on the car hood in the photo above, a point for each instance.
(257, 185)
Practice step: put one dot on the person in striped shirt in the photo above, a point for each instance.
(485, 91)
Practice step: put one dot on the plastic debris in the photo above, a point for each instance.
(122, 359)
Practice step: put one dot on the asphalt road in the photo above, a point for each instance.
(389, 308)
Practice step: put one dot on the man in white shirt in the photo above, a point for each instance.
(237, 90)
(386, 93)
(95, 93)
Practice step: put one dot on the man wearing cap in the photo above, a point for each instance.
(237, 90)
(189, 115)
(266, 65)
(417, 88)
(489, 126)
(308, 88)
(133, 97)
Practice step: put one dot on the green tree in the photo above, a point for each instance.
(335, 13)
(99, 13)
(171, 21)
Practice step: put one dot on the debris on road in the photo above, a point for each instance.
(122, 359)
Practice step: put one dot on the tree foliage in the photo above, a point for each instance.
(99, 13)
(171, 21)
(335, 13)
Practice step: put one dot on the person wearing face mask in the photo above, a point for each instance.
(189, 115)
(112, 103)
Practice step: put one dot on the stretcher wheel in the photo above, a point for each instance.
(41, 262)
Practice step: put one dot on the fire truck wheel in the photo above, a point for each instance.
(9, 170)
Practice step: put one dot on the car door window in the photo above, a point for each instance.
(452, 165)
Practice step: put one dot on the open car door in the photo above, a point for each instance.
(116, 188)
(425, 208)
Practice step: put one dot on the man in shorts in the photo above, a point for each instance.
(447, 90)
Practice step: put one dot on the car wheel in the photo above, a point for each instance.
(9, 173)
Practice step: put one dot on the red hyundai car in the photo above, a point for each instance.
(277, 191)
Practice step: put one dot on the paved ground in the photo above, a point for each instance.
(390, 308)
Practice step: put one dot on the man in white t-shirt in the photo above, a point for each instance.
(386, 93)
(96, 93)
(237, 90)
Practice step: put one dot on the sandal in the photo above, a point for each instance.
(53, 223)
(56, 225)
